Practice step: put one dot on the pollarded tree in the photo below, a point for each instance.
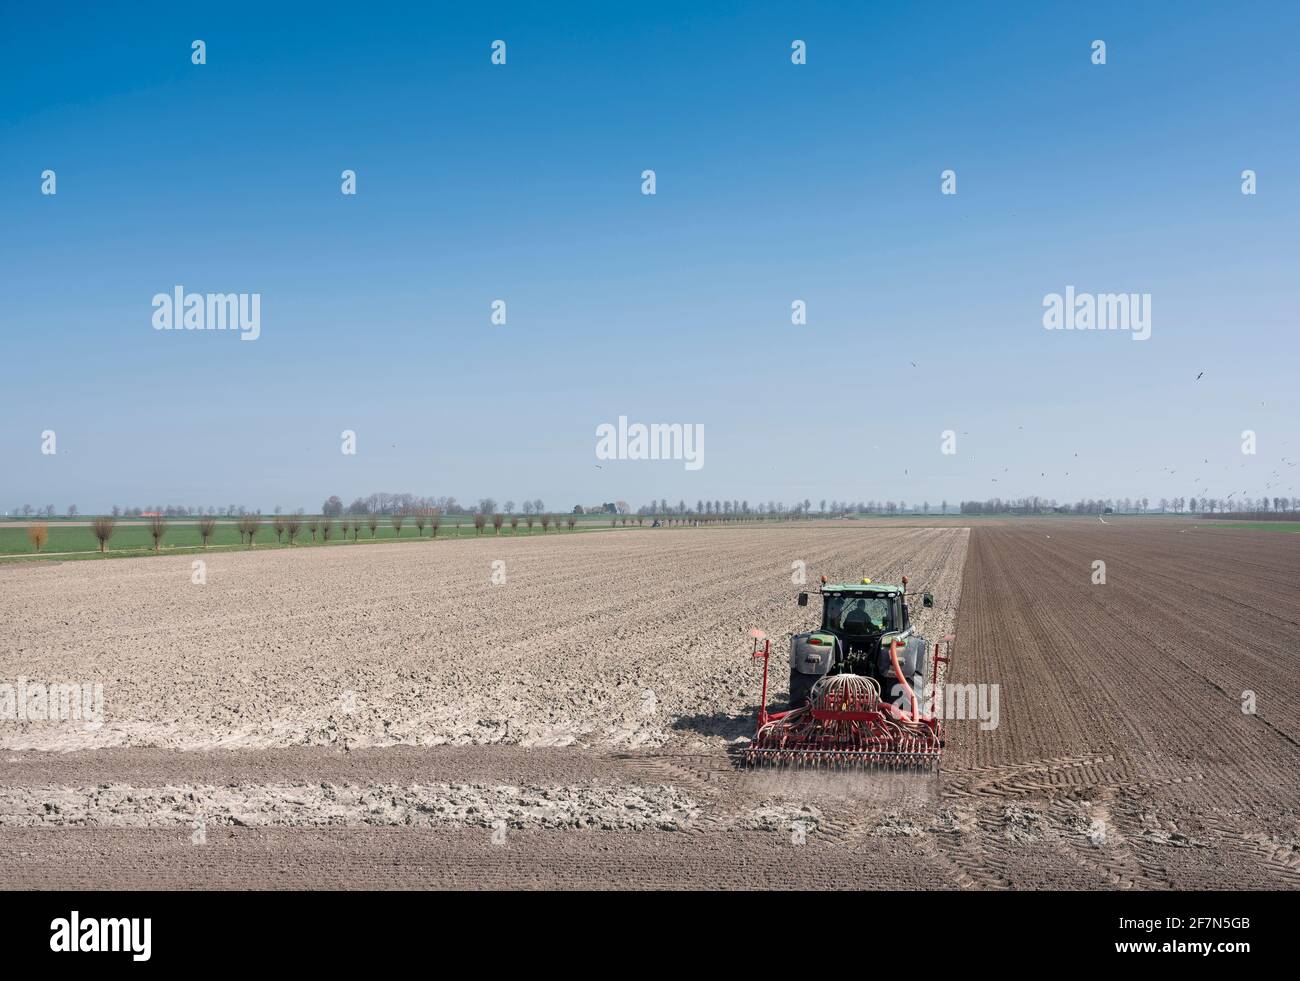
(313, 525)
(514, 524)
(372, 522)
(421, 518)
(497, 521)
(38, 534)
(103, 527)
(157, 529)
(278, 523)
(396, 520)
(546, 523)
(206, 527)
(435, 521)
(479, 521)
(572, 521)
(291, 524)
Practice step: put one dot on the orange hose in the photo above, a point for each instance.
(898, 670)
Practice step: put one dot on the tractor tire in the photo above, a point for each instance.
(922, 676)
(801, 685)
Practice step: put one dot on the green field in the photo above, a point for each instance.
(132, 538)
(1291, 526)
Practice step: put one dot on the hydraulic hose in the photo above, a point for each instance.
(898, 671)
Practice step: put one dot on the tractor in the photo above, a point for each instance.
(856, 686)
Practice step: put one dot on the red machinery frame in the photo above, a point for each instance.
(849, 722)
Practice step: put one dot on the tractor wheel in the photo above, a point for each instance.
(801, 685)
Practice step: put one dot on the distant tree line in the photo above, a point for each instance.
(388, 505)
(1130, 505)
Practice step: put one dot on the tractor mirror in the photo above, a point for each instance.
(927, 599)
(803, 599)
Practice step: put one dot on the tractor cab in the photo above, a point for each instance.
(859, 614)
(863, 610)
(861, 623)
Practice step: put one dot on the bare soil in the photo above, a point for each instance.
(502, 736)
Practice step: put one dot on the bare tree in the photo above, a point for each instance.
(104, 528)
(435, 521)
(514, 524)
(157, 528)
(572, 521)
(479, 522)
(253, 524)
(247, 526)
(497, 520)
(421, 518)
(529, 518)
(396, 520)
(546, 523)
(313, 523)
(326, 529)
(206, 527)
(278, 523)
(291, 525)
(38, 534)
(372, 522)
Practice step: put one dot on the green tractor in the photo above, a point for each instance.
(856, 686)
(860, 621)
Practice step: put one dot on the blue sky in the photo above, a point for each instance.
(522, 182)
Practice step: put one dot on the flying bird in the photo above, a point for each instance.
(1198, 377)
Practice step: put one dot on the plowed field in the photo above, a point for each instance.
(387, 716)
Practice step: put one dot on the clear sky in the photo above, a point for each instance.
(522, 182)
